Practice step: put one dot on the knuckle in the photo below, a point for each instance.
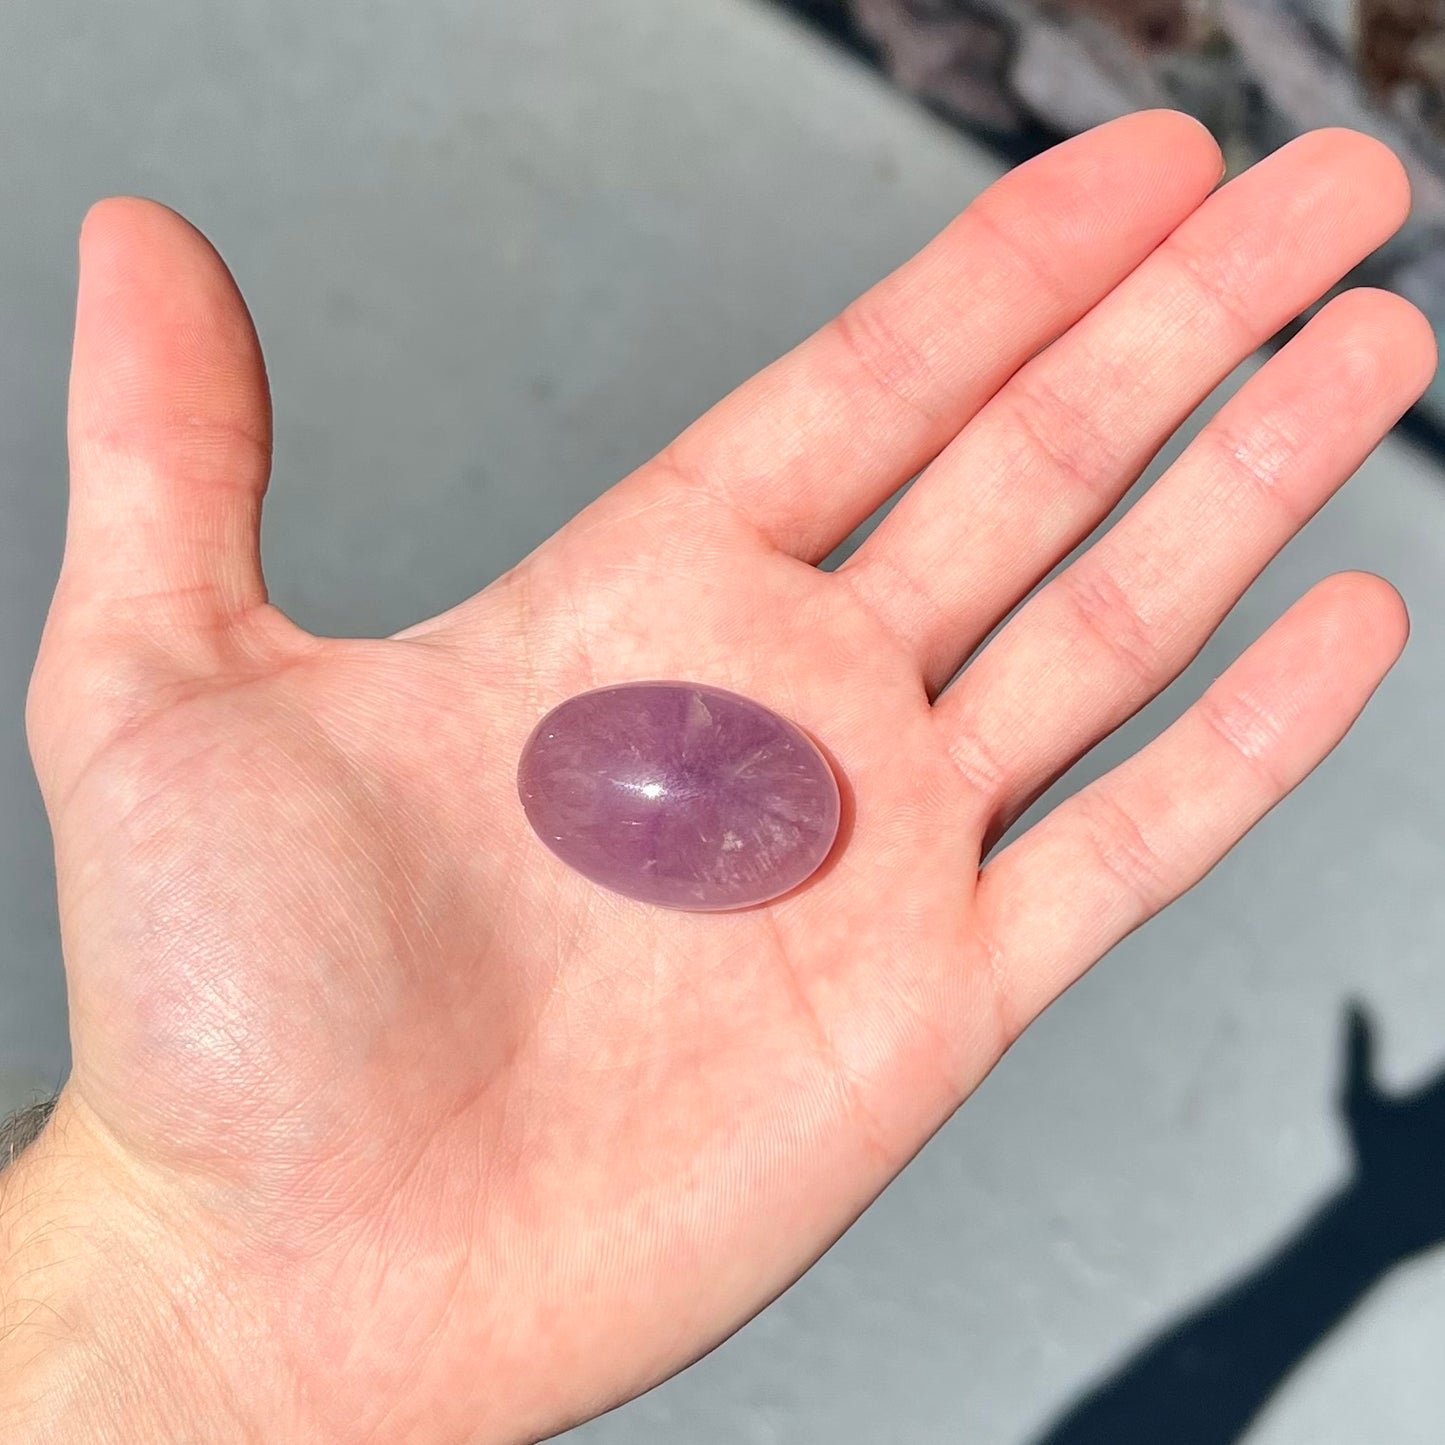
(1070, 212)
(880, 352)
(979, 765)
(1061, 433)
(1121, 847)
(1260, 457)
(1248, 731)
(1102, 609)
(1212, 277)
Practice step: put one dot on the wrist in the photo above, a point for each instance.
(1348, 1227)
(99, 1339)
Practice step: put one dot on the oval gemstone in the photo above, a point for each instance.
(680, 795)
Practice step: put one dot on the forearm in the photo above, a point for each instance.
(93, 1345)
(1252, 1335)
(21, 1129)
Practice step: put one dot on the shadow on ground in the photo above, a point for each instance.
(1204, 1380)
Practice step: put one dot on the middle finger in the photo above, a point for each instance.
(1052, 453)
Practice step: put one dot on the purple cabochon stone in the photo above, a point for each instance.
(680, 795)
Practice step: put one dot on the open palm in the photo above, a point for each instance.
(422, 1137)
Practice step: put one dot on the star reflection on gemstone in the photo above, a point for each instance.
(680, 794)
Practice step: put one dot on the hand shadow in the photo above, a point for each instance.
(1206, 1379)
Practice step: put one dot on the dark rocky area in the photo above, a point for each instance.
(1022, 73)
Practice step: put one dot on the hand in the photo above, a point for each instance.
(1399, 1174)
(384, 1126)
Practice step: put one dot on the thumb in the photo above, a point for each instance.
(170, 429)
(170, 445)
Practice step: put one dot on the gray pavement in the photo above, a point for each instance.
(498, 254)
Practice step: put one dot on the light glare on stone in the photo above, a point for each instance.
(679, 794)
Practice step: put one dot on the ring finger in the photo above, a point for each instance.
(1052, 453)
(1112, 629)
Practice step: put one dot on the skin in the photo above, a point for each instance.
(384, 1127)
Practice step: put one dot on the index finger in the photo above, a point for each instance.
(815, 443)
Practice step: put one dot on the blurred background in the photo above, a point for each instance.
(1022, 74)
(498, 254)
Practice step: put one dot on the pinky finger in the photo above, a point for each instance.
(1115, 854)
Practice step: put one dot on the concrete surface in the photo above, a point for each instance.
(498, 254)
